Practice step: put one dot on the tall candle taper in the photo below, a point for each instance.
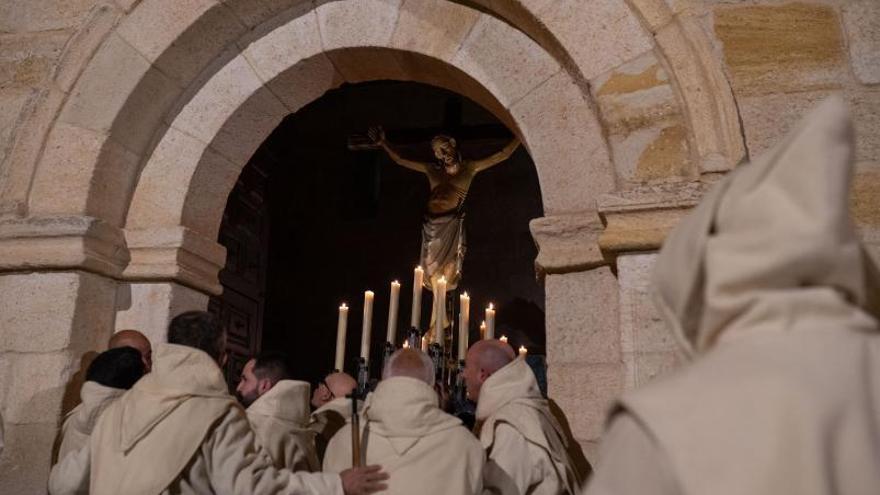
(368, 320)
(340, 336)
(464, 314)
(523, 351)
(418, 279)
(483, 330)
(439, 310)
(490, 322)
(392, 312)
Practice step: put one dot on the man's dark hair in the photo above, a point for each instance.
(198, 329)
(117, 368)
(273, 366)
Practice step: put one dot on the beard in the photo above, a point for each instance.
(246, 399)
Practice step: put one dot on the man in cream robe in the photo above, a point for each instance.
(424, 450)
(278, 410)
(179, 431)
(332, 409)
(767, 287)
(526, 446)
(111, 373)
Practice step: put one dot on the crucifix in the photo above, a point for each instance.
(450, 176)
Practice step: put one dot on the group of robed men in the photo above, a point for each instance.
(175, 429)
(766, 288)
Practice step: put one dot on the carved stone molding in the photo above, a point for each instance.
(55, 242)
(567, 243)
(175, 253)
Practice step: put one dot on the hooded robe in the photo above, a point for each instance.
(79, 422)
(280, 420)
(179, 431)
(327, 420)
(766, 286)
(423, 449)
(526, 446)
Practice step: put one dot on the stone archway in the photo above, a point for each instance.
(117, 187)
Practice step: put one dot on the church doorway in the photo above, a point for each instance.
(319, 215)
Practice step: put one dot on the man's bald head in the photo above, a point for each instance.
(483, 359)
(412, 363)
(333, 386)
(133, 338)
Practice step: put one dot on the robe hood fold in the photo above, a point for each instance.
(403, 410)
(287, 401)
(95, 398)
(772, 245)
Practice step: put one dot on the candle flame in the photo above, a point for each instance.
(442, 279)
(523, 350)
(368, 293)
(395, 283)
(343, 306)
(419, 268)
(406, 344)
(465, 295)
(503, 338)
(491, 306)
(483, 324)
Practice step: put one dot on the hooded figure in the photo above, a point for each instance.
(332, 409)
(280, 419)
(526, 446)
(423, 449)
(767, 287)
(78, 423)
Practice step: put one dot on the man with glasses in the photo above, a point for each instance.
(332, 409)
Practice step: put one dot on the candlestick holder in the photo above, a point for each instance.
(459, 389)
(414, 338)
(363, 378)
(436, 353)
(386, 353)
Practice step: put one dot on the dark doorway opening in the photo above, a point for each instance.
(315, 221)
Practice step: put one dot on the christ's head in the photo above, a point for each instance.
(446, 153)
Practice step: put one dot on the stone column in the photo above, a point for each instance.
(149, 307)
(49, 321)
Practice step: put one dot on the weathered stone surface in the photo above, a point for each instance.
(504, 60)
(865, 107)
(122, 92)
(585, 392)
(149, 307)
(565, 140)
(12, 104)
(771, 47)
(28, 325)
(368, 64)
(233, 112)
(42, 15)
(567, 243)
(433, 27)
(766, 119)
(290, 60)
(599, 34)
(83, 172)
(582, 318)
(861, 21)
(24, 466)
(357, 23)
(177, 253)
(180, 36)
(865, 199)
(28, 59)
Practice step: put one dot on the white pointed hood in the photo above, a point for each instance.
(772, 245)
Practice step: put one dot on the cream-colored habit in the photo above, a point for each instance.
(327, 420)
(526, 446)
(766, 285)
(79, 422)
(179, 431)
(280, 419)
(423, 449)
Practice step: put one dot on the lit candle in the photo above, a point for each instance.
(483, 330)
(490, 322)
(424, 344)
(406, 344)
(464, 314)
(503, 338)
(418, 278)
(523, 351)
(340, 336)
(392, 312)
(439, 310)
(368, 320)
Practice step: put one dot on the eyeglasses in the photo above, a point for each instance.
(324, 383)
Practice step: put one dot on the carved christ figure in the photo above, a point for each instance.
(450, 177)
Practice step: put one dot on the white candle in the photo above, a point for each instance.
(523, 351)
(483, 330)
(439, 310)
(464, 314)
(503, 338)
(490, 322)
(392, 312)
(418, 278)
(406, 344)
(340, 336)
(424, 344)
(368, 320)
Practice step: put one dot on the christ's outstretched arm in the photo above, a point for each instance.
(377, 134)
(498, 157)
